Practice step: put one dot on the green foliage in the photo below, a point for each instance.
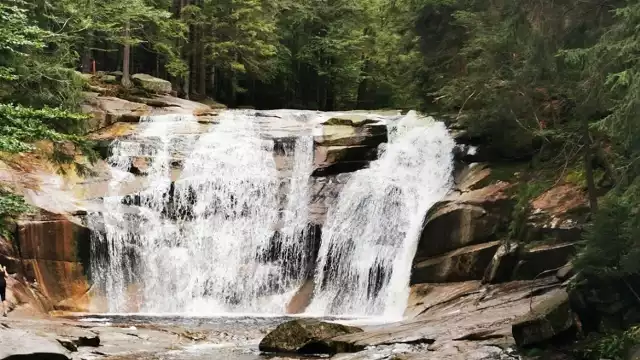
(612, 75)
(243, 36)
(612, 243)
(20, 127)
(525, 192)
(34, 62)
(614, 346)
(11, 206)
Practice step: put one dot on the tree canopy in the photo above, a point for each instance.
(555, 81)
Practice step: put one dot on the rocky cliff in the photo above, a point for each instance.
(469, 268)
(47, 251)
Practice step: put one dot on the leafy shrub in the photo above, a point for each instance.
(612, 243)
(613, 346)
(11, 205)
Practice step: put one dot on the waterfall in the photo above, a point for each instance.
(222, 223)
(371, 235)
(205, 242)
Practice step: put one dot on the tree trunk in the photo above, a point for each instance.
(86, 54)
(588, 167)
(126, 58)
(234, 86)
(361, 102)
(213, 81)
(201, 60)
(202, 70)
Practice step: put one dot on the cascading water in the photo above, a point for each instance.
(371, 234)
(204, 243)
(222, 224)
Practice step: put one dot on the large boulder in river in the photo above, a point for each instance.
(302, 336)
(20, 344)
(152, 84)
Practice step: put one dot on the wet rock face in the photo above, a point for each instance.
(546, 320)
(459, 229)
(55, 253)
(19, 344)
(324, 193)
(302, 298)
(468, 263)
(303, 336)
(346, 144)
(465, 219)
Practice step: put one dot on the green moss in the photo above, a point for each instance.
(613, 345)
(548, 240)
(507, 172)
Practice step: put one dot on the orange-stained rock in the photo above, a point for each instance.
(558, 215)
(54, 253)
(25, 298)
(58, 280)
(54, 240)
(560, 199)
(299, 302)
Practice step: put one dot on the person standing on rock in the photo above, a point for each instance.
(3, 289)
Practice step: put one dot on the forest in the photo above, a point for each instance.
(554, 82)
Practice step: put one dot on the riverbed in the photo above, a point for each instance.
(228, 336)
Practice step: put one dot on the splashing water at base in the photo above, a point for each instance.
(222, 227)
(204, 243)
(372, 233)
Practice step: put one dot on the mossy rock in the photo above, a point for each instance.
(152, 84)
(303, 336)
(354, 120)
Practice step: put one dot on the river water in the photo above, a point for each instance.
(222, 228)
(234, 337)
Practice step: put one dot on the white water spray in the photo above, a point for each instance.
(220, 228)
(371, 234)
(204, 243)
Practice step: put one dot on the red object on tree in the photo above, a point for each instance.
(93, 67)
